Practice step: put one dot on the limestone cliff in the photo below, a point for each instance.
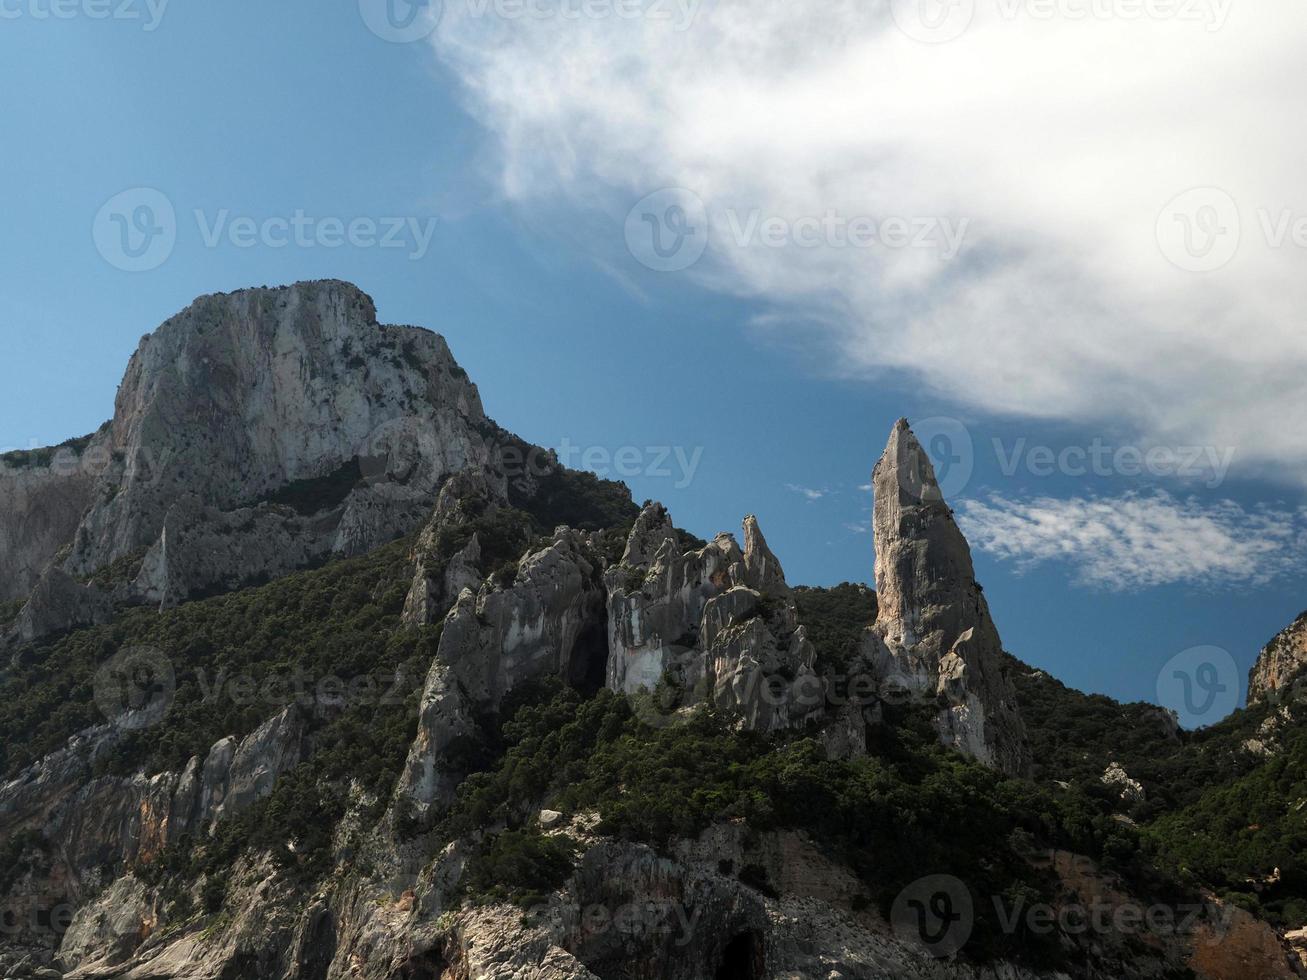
(933, 635)
(266, 430)
(718, 623)
(253, 433)
(1280, 663)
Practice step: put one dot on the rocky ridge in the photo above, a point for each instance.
(254, 433)
(1281, 663)
(671, 623)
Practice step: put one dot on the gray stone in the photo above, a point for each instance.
(1280, 662)
(225, 404)
(933, 634)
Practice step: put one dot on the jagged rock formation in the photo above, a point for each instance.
(94, 822)
(549, 620)
(1130, 790)
(438, 576)
(719, 623)
(263, 431)
(933, 635)
(1281, 662)
(253, 433)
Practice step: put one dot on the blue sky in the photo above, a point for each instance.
(756, 364)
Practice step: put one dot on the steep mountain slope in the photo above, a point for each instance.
(536, 730)
(230, 416)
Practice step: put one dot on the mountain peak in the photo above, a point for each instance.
(229, 405)
(933, 631)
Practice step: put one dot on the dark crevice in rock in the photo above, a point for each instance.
(587, 665)
(742, 959)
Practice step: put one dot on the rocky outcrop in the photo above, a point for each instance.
(717, 624)
(1281, 663)
(253, 433)
(444, 563)
(933, 635)
(58, 602)
(1130, 790)
(43, 496)
(548, 621)
(92, 823)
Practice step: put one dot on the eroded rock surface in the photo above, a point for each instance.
(933, 635)
(1281, 662)
(253, 433)
(548, 621)
(717, 624)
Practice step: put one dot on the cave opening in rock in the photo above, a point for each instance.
(587, 666)
(742, 958)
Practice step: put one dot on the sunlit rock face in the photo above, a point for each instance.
(254, 433)
(1281, 663)
(717, 623)
(548, 621)
(933, 635)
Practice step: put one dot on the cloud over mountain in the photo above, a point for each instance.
(841, 161)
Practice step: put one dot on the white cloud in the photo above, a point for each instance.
(1056, 143)
(1135, 541)
(810, 492)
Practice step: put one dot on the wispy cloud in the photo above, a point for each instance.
(812, 493)
(1136, 541)
(1063, 302)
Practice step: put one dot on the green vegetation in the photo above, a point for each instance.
(34, 458)
(124, 569)
(19, 854)
(1248, 838)
(339, 621)
(9, 612)
(519, 866)
(912, 809)
(836, 619)
(580, 500)
(363, 749)
(1215, 815)
(314, 495)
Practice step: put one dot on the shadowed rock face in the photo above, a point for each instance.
(933, 634)
(227, 408)
(495, 639)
